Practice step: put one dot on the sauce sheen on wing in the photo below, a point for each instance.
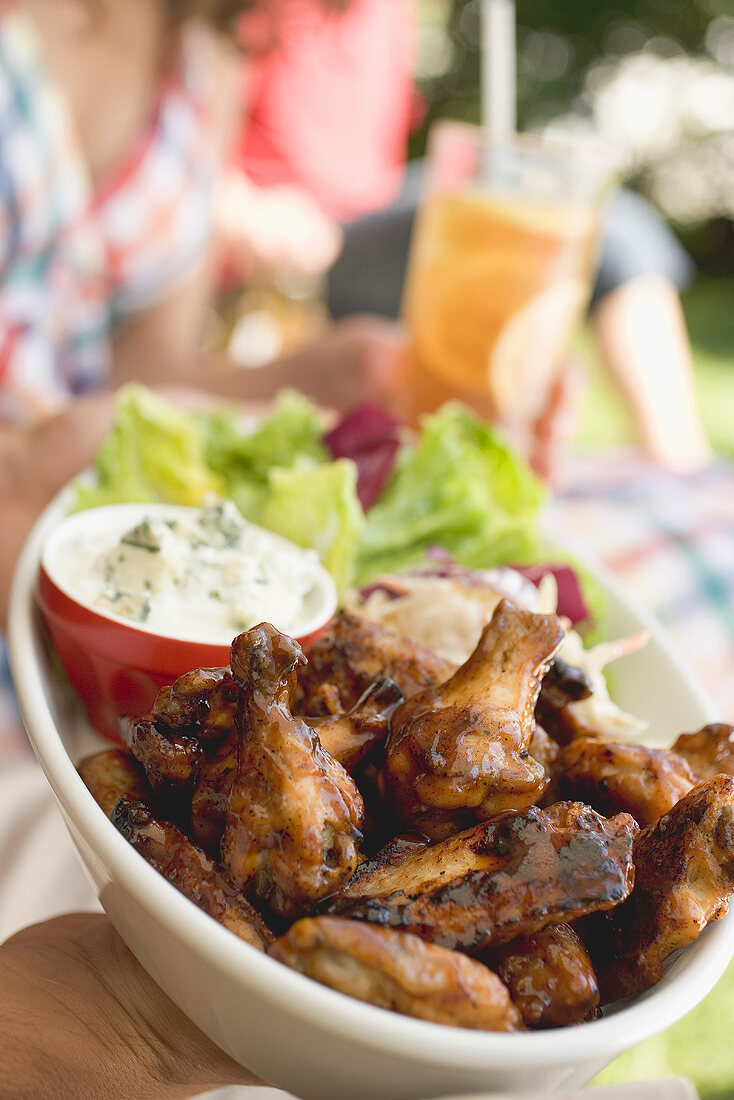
(504, 878)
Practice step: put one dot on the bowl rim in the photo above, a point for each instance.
(261, 977)
(54, 535)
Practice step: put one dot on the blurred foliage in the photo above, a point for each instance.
(570, 52)
(557, 42)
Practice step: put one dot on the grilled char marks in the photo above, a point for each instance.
(354, 653)
(201, 704)
(504, 878)
(190, 870)
(170, 759)
(684, 878)
(564, 684)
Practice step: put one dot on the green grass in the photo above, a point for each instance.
(709, 309)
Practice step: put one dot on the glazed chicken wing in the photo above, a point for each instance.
(500, 879)
(549, 975)
(214, 781)
(545, 751)
(354, 653)
(169, 850)
(113, 775)
(170, 759)
(710, 751)
(563, 684)
(397, 970)
(350, 737)
(684, 877)
(463, 747)
(293, 814)
(631, 778)
(396, 851)
(117, 784)
(201, 703)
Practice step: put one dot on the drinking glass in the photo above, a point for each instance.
(501, 265)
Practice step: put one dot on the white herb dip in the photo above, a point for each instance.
(204, 573)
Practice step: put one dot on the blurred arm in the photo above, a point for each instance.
(644, 344)
(349, 362)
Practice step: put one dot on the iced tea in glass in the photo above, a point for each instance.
(500, 270)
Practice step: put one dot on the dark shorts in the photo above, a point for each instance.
(368, 276)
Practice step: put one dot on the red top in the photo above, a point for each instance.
(331, 105)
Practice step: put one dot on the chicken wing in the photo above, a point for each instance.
(710, 751)
(464, 746)
(545, 751)
(549, 975)
(563, 684)
(293, 814)
(393, 853)
(353, 653)
(169, 850)
(631, 778)
(350, 737)
(214, 781)
(500, 879)
(169, 759)
(684, 877)
(113, 775)
(397, 970)
(201, 703)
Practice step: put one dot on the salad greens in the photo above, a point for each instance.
(460, 488)
(292, 433)
(154, 452)
(318, 508)
(457, 486)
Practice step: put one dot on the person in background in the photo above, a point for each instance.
(116, 122)
(301, 170)
(319, 171)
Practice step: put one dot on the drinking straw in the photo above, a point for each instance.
(499, 77)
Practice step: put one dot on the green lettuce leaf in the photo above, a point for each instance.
(318, 507)
(291, 433)
(154, 452)
(462, 488)
(459, 486)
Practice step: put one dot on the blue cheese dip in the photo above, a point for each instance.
(185, 572)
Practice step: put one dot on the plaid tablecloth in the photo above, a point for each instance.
(671, 541)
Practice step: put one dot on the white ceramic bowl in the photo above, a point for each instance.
(291, 1031)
